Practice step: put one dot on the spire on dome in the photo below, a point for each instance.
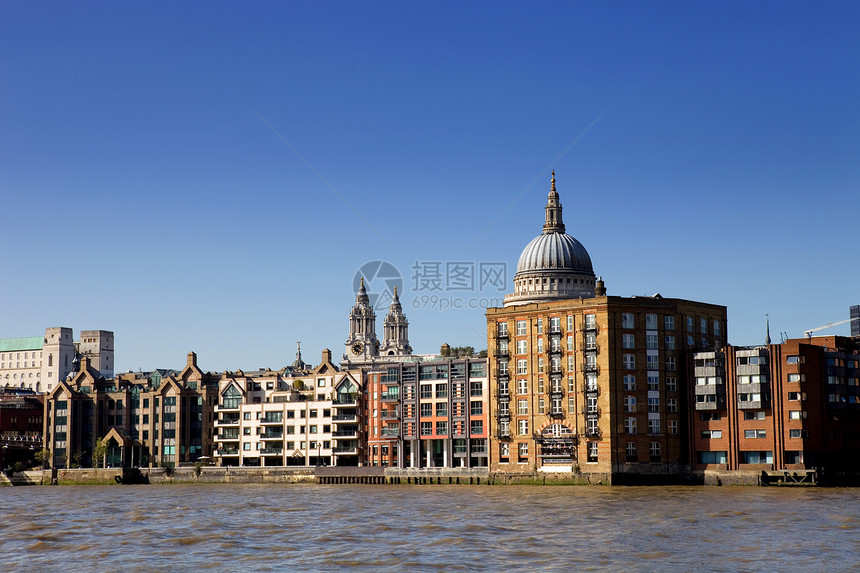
(553, 223)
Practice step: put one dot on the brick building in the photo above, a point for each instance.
(585, 382)
(788, 406)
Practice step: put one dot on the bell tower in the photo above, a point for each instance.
(395, 330)
(362, 343)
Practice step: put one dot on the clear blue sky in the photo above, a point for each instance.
(151, 181)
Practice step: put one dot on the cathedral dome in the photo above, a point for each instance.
(554, 252)
(553, 265)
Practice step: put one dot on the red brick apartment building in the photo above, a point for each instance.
(789, 406)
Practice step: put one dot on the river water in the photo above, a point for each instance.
(421, 528)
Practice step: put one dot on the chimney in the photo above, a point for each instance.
(326, 356)
(599, 287)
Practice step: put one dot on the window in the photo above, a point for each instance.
(441, 428)
(653, 405)
(755, 433)
(713, 457)
(712, 434)
(570, 344)
(757, 457)
(671, 384)
(523, 427)
(652, 342)
(540, 326)
(504, 452)
(522, 347)
(629, 362)
(476, 408)
(570, 322)
(793, 396)
(522, 407)
(441, 408)
(555, 324)
(798, 433)
(716, 327)
(795, 377)
(672, 405)
(427, 389)
(792, 359)
(653, 382)
(796, 415)
(629, 403)
(523, 450)
(522, 387)
(627, 341)
(541, 406)
(539, 346)
(630, 425)
(651, 321)
(626, 320)
(522, 366)
(442, 390)
(669, 322)
(476, 427)
(673, 426)
(502, 328)
(630, 451)
(246, 415)
(590, 321)
(653, 426)
(592, 452)
(630, 382)
(706, 416)
(670, 363)
(703, 325)
(689, 324)
(654, 452)
(670, 342)
(426, 410)
(521, 328)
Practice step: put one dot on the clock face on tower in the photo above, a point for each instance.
(357, 348)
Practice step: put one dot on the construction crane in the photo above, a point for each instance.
(808, 333)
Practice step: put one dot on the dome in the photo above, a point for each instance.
(554, 265)
(554, 252)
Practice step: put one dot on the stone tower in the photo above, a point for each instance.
(395, 330)
(362, 343)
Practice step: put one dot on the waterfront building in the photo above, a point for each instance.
(144, 418)
(20, 426)
(788, 406)
(37, 363)
(428, 414)
(297, 416)
(586, 382)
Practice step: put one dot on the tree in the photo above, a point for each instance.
(100, 449)
(43, 456)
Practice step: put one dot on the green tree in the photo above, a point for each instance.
(99, 452)
(43, 456)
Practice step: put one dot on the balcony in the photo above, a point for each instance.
(227, 421)
(592, 432)
(227, 452)
(389, 415)
(556, 394)
(502, 335)
(591, 411)
(345, 434)
(593, 390)
(589, 347)
(590, 368)
(555, 330)
(345, 450)
(556, 414)
(503, 434)
(503, 377)
(556, 371)
(272, 451)
(344, 417)
(347, 400)
(390, 396)
(272, 419)
(389, 432)
(269, 434)
(503, 354)
(504, 417)
(227, 437)
(589, 328)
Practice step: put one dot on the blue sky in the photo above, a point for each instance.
(210, 176)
